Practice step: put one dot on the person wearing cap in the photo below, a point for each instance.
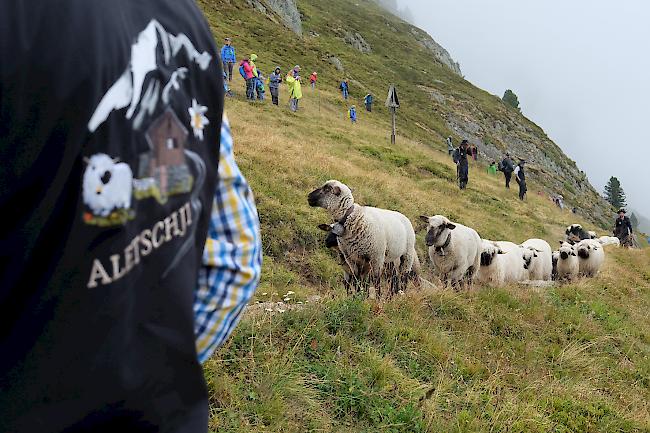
(368, 100)
(352, 114)
(520, 177)
(275, 79)
(295, 89)
(623, 228)
(228, 57)
(312, 79)
(492, 168)
(507, 167)
(462, 166)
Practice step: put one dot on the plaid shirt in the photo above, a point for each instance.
(232, 258)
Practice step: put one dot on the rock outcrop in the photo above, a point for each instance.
(357, 42)
(439, 52)
(286, 10)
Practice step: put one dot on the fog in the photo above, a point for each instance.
(580, 68)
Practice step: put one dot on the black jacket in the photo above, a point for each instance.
(507, 166)
(107, 186)
(623, 226)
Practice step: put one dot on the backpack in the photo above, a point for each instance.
(457, 155)
(242, 72)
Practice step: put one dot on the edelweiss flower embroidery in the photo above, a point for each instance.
(198, 121)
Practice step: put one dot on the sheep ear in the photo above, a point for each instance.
(338, 230)
(86, 160)
(500, 252)
(325, 227)
(424, 218)
(450, 226)
(336, 190)
(116, 160)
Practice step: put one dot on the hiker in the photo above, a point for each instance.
(507, 167)
(352, 114)
(367, 100)
(312, 79)
(623, 229)
(492, 168)
(246, 71)
(116, 296)
(462, 166)
(228, 57)
(450, 146)
(275, 79)
(259, 85)
(253, 59)
(474, 152)
(345, 89)
(295, 89)
(520, 177)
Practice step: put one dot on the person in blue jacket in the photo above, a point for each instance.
(352, 114)
(368, 101)
(228, 57)
(345, 89)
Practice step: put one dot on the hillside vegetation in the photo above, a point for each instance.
(574, 358)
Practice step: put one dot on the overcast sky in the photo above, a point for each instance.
(581, 69)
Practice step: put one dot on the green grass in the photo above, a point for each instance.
(574, 358)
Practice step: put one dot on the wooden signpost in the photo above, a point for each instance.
(392, 102)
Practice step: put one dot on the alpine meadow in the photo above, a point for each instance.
(307, 357)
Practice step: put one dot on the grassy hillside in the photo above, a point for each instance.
(435, 101)
(568, 359)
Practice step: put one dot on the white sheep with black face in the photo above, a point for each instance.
(540, 265)
(454, 249)
(567, 263)
(368, 237)
(591, 256)
(501, 263)
(107, 185)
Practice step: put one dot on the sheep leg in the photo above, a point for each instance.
(375, 270)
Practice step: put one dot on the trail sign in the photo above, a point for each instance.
(392, 102)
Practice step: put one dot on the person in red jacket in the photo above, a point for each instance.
(246, 70)
(312, 79)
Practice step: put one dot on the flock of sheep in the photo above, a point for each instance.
(378, 244)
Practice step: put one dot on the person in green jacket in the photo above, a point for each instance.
(253, 58)
(295, 89)
(492, 168)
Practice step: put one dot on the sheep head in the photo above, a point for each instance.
(566, 250)
(333, 232)
(528, 253)
(488, 252)
(438, 229)
(585, 248)
(333, 196)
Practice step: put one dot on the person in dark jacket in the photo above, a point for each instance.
(462, 166)
(623, 229)
(275, 79)
(507, 166)
(520, 177)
